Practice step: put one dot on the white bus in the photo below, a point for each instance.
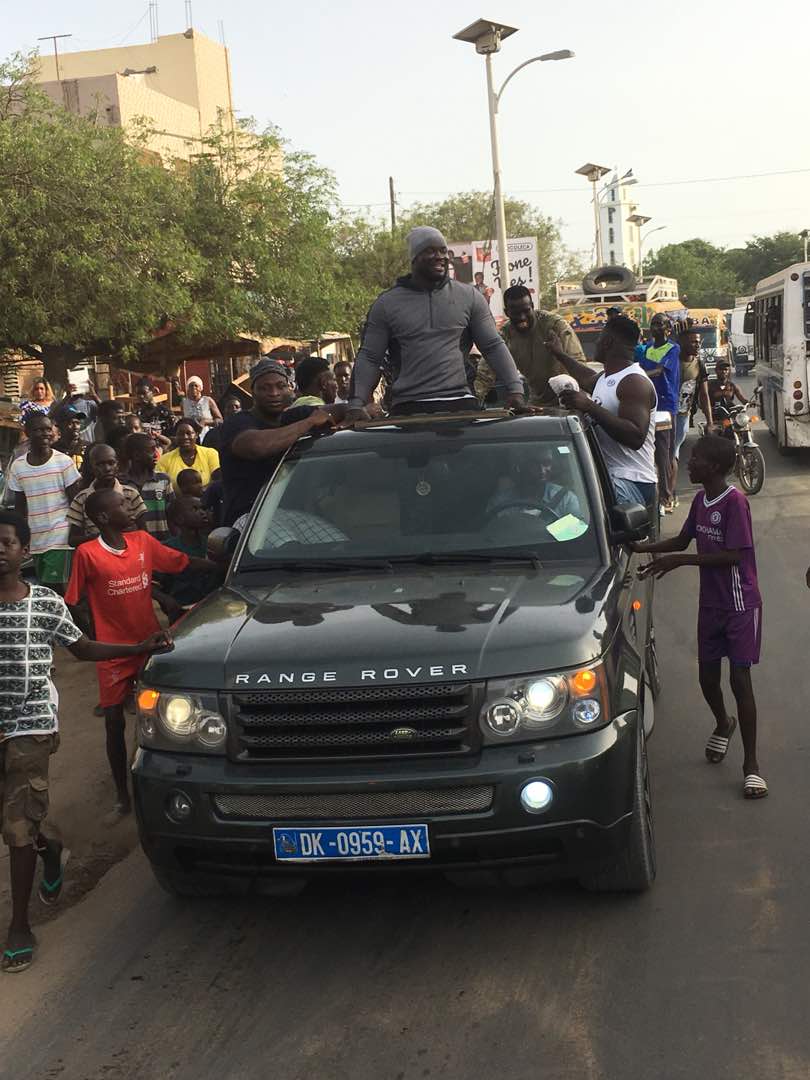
(740, 344)
(779, 318)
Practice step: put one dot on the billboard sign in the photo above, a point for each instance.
(477, 263)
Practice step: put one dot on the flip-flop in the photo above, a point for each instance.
(16, 960)
(718, 744)
(50, 891)
(754, 787)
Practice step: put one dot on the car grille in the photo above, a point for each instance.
(357, 805)
(380, 721)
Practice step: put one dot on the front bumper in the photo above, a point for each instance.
(586, 824)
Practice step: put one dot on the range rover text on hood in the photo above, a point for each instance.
(400, 674)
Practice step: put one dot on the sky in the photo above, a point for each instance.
(699, 90)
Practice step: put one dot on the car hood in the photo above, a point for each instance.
(414, 626)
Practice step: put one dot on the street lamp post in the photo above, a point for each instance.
(487, 35)
(594, 173)
(641, 240)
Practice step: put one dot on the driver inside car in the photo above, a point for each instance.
(532, 487)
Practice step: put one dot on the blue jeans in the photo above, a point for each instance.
(633, 491)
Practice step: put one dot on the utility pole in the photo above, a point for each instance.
(393, 200)
(54, 38)
(154, 30)
(805, 235)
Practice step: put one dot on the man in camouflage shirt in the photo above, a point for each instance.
(526, 334)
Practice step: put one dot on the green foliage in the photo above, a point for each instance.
(261, 221)
(100, 247)
(710, 276)
(704, 278)
(763, 256)
(91, 252)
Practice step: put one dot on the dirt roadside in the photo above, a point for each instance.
(82, 793)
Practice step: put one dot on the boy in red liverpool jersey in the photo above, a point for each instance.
(730, 605)
(115, 572)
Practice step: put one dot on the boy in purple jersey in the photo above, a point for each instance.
(730, 607)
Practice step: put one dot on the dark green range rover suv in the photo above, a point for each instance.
(431, 651)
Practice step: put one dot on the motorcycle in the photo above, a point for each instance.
(734, 422)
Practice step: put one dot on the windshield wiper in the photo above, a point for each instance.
(436, 558)
(315, 565)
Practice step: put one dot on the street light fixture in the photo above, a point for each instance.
(641, 240)
(594, 174)
(487, 36)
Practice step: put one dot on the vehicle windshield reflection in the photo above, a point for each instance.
(431, 500)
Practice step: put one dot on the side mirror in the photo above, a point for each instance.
(222, 544)
(629, 522)
(748, 319)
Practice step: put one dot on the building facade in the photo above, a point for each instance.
(180, 85)
(621, 238)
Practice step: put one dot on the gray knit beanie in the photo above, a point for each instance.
(424, 236)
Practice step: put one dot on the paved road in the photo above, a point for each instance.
(703, 977)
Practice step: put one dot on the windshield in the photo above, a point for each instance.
(708, 336)
(427, 497)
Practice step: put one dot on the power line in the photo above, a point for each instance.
(642, 183)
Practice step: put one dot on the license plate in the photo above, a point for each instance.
(372, 844)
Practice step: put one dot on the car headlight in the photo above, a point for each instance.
(534, 705)
(166, 719)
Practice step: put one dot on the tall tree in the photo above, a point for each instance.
(92, 254)
(261, 219)
(763, 256)
(704, 278)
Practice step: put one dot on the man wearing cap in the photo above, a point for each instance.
(254, 440)
(426, 325)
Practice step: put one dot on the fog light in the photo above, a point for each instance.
(147, 726)
(503, 718)
(536, 796)
(212, 730)
(587, 711)
(179, 807)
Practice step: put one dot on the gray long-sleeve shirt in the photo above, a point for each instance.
(426, 335)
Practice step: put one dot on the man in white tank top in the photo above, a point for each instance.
(622, 402)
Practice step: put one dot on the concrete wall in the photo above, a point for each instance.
(121, 100)
(191, 69)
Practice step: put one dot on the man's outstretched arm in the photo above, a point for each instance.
(368, 364)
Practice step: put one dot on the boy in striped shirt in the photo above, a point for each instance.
(45, 482)
(730, 605)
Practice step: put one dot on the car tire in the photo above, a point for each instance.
(634, 870)
(606, 280)
(189, 885)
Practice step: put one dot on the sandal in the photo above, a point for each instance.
(754, 787)
(16, 960)
(717, 746)
(54, 860)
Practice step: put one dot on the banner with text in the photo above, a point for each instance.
(476, 263)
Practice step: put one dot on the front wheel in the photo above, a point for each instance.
(634, 870)
(751, 469)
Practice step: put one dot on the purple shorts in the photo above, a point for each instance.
(735, 634)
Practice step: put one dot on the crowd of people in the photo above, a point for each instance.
(114, 503)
